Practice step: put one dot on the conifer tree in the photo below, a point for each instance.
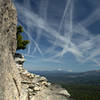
(21, 44)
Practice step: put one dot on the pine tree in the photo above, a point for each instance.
(21, 44)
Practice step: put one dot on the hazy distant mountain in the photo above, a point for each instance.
(93, 72)
(89, 77)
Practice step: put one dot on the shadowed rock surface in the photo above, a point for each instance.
(16, 83)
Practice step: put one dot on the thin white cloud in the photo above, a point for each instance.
(84, 51)
(95, 16)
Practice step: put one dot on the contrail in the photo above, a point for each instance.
(95, 16)
(85, 50)
(62, 20)
(35, 43)
(43, 9)
(27, 4)
(43, 14)
(64, 14)
(31, 40)
(68, 31)
(29, 20)
(34, 50)
(71, 20)
(80, 29)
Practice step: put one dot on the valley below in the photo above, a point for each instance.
(81, 86)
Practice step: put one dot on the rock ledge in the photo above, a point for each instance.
(37, 87)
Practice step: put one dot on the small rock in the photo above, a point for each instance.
(49, 83)
(37, 76)
(35, 80)
(28, 74)
(37, 84)
(32, 75)
(25, 72)
(26, 82)
(65, 92)
(30, 90)
(37, 88)
(43, 79)
(44, 83)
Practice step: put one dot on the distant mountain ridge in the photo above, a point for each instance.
(89, 77)
(92, 72)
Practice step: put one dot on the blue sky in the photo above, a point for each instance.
(63, 34)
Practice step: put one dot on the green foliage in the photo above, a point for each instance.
(21, 44)
(83, 92)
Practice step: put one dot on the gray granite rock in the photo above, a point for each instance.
(10, 81)
(38, 88)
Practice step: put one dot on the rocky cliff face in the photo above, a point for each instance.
(9, 75)
(15, 82)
